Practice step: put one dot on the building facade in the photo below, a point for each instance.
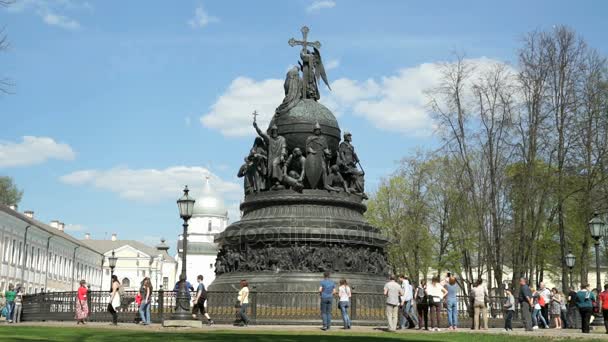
(209, 219)
(42, 257)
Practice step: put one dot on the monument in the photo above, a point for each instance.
(304, 193)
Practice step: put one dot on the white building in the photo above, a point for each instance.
(135, 261)
(209, 219)
(42, 256)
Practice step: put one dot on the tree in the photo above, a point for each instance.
(5, 83)
(9, 193)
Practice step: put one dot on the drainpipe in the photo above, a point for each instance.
(74, 266)
(24, 256)
(48, 261)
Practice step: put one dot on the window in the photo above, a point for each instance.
(6, 249)
(165, 282)
(143, 273)
(211, 266)
(126, 282)
(209, 225)
(31, 259)
(14, 258)
(20, 260)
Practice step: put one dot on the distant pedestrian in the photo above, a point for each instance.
(525, 301)
(82, 305)
(10, 295)
(604, 306)
(545, 293)
(509, 307)
(452, 302)
(555, 308)
(436, 293)
(146, 301)
(537, 316)
(199, 301)
(392, 291)
(114, 303)
(422, 305)
(243, 299)
(344, 294)
(573, 313)
(480, 307)
(407, 315)
(584, 302)
(189, 288)
(327, 290)
(19, 292)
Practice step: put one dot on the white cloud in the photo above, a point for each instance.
(332, 64)
(33, 150)
(151, 185)
(231, 113)
(61, 21)
(201, 18)
(318, 5)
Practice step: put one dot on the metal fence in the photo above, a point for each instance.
(264, 307)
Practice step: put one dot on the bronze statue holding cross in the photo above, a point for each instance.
(311, 66)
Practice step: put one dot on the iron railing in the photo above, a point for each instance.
(264, 307)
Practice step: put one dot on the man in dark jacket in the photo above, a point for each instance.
(525, 301)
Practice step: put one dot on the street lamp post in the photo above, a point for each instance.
(112, 263)
(570, 260)
(596, 228)
(182, 309)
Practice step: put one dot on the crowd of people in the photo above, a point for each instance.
(11, 304)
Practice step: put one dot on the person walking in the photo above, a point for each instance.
(537, 316)
(198, 303)
(18, 304)
(10, 295)
(146, 301)
(344, 294)
(452, 302)
(525, 302)
(327, 289)
(436, 293)
(573, 314)
(584, 302)
(392, 291)
(422, 305)
(406, 304)
(555, 308)
(604, 305)
(82, 305)
(114, 303)
(243, 299)
(480, 292)
(545, 293)
(509, 306)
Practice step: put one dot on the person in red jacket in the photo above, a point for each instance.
(604, 305)
(82, 305)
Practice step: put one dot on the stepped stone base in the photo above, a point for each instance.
(174, 323)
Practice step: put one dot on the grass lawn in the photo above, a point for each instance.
(14, 333)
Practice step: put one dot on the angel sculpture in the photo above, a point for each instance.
(312, 70)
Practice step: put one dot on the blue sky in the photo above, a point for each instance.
(123, 102)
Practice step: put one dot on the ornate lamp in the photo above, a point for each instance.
(570, 260)
(596, 228)
(182, 310)
(112, 263)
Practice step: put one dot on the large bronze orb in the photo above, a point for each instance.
(297, 125)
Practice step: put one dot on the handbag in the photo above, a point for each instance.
(237, 305)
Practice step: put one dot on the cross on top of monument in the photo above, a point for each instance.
(293, 42)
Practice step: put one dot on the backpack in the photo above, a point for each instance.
(541, 301)
(203, 296)
(421, 293)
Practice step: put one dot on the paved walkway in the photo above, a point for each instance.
(599, 332)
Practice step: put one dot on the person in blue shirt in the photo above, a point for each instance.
(189, 288)
(327, 290)
(584, 302)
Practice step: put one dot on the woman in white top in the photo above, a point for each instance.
(243, 299)
(436, 292)
(114, 299)
(344, 293)
(480, 292)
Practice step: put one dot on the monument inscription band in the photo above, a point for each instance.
(304, 192)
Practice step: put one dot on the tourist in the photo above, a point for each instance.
(452, 302)
(525, 301)
(243, 299)
(422, 305)
(555, 308)
(545, 293)
(573, 314)
(436, 293)
(18, 304)
(10, 295)
(82, 305)
(392, 291)
(480, 306)
(509, 307)
(537, 316)
(406, 304)
(114, 303)
(189, 288)
(604, 306)
(199, 301)
(327, 289)
(584, 302)
(146, 300)
(344, 295)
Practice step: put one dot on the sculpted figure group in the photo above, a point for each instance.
(302, 258)
(269, 166)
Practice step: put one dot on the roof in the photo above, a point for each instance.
(104, 246)
(199, 248)
(209, 203)
(45, 227)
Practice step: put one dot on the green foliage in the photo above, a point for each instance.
(9, 193)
